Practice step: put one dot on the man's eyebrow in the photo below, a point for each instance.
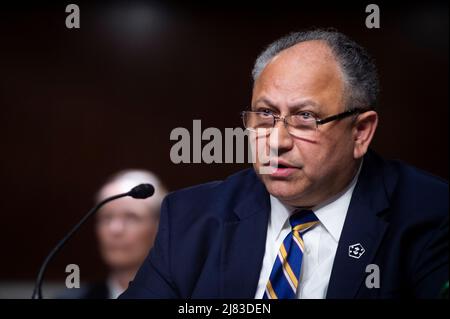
(296, 106)
(301, 104)
(265, 101)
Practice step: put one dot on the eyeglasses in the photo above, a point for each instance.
(303, 124)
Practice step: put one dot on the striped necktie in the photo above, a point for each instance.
(285, 275)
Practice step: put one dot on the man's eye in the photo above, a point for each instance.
(265, 112)
(306, 115)
(104, 219)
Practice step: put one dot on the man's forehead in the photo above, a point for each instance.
(304, 70)
(126, 205)
(122, 186)
(115, 187)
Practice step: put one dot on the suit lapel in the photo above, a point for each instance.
(363, 229)
(243, 244)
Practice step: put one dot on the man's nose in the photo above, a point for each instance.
(280, 138)
(117, 225)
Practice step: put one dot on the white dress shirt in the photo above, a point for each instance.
(320, 243)
(115, 290)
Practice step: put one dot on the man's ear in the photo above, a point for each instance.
(363, 131)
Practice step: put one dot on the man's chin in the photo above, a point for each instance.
(281, 189)
(121, 261)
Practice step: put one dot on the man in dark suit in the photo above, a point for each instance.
(325, 218)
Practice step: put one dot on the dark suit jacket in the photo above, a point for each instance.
(211, 239)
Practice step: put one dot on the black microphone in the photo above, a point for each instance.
(141, 191)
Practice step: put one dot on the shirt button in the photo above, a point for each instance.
(307, 251)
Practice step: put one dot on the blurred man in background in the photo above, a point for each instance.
(126, 230)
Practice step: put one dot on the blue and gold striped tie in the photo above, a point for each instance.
(285, 275)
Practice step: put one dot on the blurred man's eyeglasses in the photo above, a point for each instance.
(303, 124)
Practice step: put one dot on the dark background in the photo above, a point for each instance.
(79, 105)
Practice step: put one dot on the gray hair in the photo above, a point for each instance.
(358, 67)
(129, 178)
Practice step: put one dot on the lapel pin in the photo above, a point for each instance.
(356, 250)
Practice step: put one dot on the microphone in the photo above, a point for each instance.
(141, 191)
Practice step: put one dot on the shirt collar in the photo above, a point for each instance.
(331, 213)
(115, 290)
(279, 214)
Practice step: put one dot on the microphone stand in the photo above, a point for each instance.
(37, 292)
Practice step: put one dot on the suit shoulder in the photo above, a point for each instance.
(212, 196)
(238, 179)
(420, 180)
(422, 195)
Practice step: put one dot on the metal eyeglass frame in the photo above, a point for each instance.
(328, 119)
